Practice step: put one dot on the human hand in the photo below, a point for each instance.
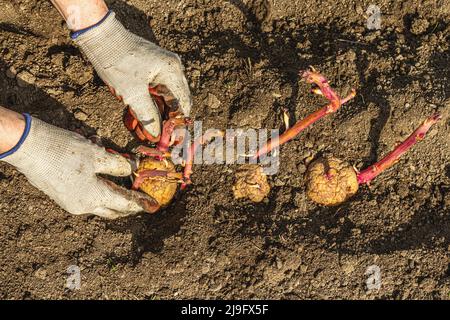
(65, 165)
(129, 65)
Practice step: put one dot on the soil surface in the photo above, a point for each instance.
(242, 60)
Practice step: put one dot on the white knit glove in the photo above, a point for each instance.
(130, 64)
(64, 165)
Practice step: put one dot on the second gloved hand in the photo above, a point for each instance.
(130, 64)
(65, 166)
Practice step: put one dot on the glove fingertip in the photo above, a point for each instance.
(147, 113)
(182, 94)
(131, 201)
(113, 164)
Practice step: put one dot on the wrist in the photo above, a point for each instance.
(81, 14)
(90, 26)
(14, 128)
(87, 19)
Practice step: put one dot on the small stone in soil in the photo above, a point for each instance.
(11, 72)
(80, 115)
(212, 101)
(301, 168)
(419, 26)
(25, 79)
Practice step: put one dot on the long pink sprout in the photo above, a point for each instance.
(371, 172)
(311, 76)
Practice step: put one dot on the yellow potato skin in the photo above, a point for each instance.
(330, 181)
(251, 183)
(161, 190)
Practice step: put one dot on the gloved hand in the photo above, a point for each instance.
(129, 65)
(64, 165)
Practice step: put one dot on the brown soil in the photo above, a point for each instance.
(206, 244)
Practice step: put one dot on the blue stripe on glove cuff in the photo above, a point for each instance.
(78, 33)
(22, 139)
